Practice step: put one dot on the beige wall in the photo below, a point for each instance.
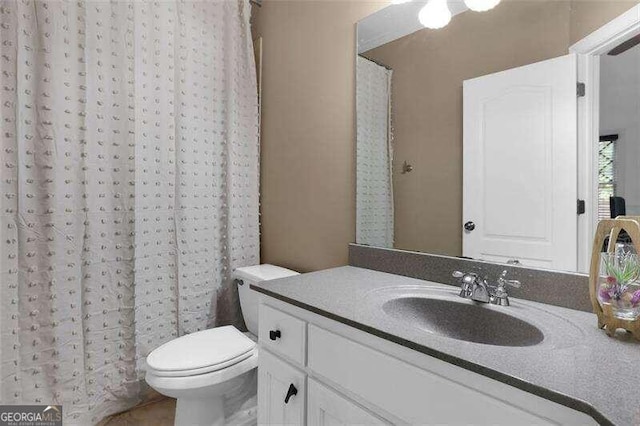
(308, 132)
(308, 151)
(589, 15)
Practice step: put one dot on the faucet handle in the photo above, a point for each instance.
(500, 295)
(502, 281)
(465, 277)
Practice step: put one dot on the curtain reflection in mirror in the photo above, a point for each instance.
(374, 192)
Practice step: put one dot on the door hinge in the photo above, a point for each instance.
(581, 207)
(582, 90)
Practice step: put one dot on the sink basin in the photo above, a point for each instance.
(463, 321)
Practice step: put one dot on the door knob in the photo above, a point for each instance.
(274, 334)
(469, 226)
(291, 392)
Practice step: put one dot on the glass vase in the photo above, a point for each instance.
(618, 284)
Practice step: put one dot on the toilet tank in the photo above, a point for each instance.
(248, 298)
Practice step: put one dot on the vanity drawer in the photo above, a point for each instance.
(283, 334)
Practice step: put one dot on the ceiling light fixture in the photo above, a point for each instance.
(435, 14)
(481, 5)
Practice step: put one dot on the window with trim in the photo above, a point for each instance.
(606, 174)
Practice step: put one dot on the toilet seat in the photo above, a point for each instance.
(178, 387)
(199, 353)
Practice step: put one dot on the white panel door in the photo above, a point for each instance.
(327, 408)
(520, 165)
(281, 392)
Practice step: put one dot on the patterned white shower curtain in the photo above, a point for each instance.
(129, 189)
(374, 156)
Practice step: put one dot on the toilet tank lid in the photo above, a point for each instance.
(264, 272)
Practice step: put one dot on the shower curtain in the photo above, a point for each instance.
(129, 189)
(374, 156)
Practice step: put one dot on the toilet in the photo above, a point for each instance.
(198, 369)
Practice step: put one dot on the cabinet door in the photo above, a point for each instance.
(326, 407)
(281, 392)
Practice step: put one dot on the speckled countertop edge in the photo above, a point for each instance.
(268, 288)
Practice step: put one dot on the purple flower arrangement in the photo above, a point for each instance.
(620, 288)
(612, 290)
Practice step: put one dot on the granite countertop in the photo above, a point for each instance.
(576, 365)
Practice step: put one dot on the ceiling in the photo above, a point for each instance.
(395, 21)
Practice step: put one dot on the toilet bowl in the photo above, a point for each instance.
(200, 368)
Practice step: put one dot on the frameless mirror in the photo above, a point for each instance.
(467, 135)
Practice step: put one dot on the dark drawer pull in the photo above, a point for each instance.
(274, 334)
(291, 392)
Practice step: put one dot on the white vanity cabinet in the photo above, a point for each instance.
(343, 375)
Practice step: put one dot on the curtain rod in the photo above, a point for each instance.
(256, 2)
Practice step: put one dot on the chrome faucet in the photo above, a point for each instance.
(479, 290)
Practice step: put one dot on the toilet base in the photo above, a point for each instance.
(199, 412)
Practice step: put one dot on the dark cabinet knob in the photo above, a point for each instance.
(469, 226)
(274, 334)
(291, 392)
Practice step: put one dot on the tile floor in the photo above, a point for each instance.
(159, 412)
(240, 406)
